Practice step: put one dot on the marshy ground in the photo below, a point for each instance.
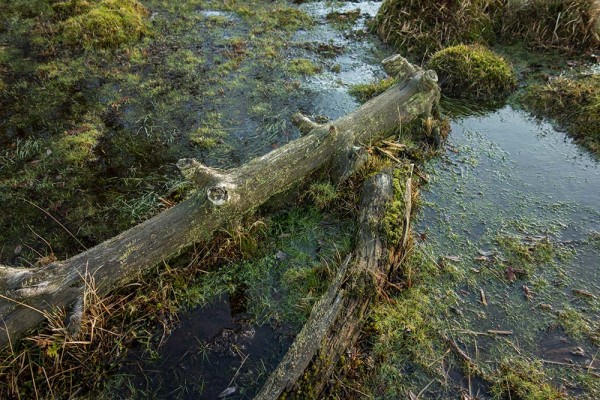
(498, 299)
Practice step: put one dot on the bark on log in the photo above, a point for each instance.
(221, 197)
(337, 318)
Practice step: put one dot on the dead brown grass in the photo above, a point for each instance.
(52, 363)
(551, 24)
(423, 27)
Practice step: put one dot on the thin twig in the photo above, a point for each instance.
(22, 304)
(238, 370)
(57, 221)
(575, 366)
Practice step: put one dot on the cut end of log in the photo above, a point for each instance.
(429, 80)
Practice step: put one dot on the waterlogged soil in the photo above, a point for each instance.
(506, 183)
(220, 349)
(215, 350)
(513, 206)
(503, 184)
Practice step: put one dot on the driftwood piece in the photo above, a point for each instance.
(337, 319)
(221, 197)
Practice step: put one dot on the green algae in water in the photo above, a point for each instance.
(302, 66)
(490, 205)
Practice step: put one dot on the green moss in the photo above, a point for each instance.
(183, 64)
(407, 344)
(517, 378)
(393, 221)
(302, 66)
(367, 91)
(473, 72)
(76, 147)
(108, 24)
(576, 326)
(322, 194)
(572, 103)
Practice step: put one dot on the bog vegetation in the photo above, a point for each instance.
(98, 100)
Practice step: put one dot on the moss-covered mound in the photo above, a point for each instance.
(574, 104)
(473, 72)
(423, 27)
(107, 24)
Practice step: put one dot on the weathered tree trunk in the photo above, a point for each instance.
(222, 196)
(337, 318)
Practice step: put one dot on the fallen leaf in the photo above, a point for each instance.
(528, 293)
(510, 274)
(452, 258)
(227, 392)
(281, 255)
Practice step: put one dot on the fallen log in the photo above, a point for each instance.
(337, 318)
(27, 295)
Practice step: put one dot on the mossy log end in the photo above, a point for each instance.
(26, 295)
(337, 318)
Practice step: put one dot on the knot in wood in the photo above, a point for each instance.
(218, 195)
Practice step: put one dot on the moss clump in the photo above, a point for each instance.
(302, 66)
(322, 194)
(76, 147)
(393, 221)
(519, 379)
(367, 91)
(473, 72)
(344, 19)
(108, 24)
(573, 104)
(423, 27)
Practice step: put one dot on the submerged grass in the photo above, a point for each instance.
(573, 103)
(98, 99)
